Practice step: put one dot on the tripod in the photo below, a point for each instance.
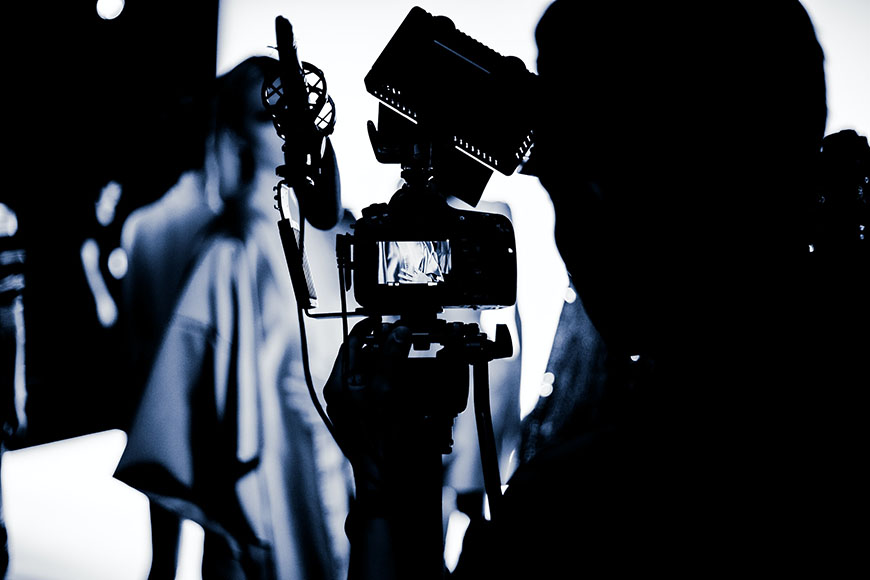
(428, 406)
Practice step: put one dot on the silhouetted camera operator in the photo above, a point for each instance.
(676, 144)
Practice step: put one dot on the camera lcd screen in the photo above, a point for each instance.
(413, 262)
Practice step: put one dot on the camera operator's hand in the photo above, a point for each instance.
(363, 397)
(384, 427)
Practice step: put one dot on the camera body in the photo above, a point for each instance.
(451, 112)
(418, 253)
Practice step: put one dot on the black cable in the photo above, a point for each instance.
(309, 381)
(303, 339)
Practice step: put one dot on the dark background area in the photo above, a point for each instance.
(93, 101)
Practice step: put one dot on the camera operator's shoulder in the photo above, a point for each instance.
(585, 501)
(556, 503)
(560, 517)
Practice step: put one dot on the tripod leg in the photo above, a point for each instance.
(421, 550)
(486, 437)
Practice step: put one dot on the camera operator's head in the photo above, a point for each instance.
(676, 165)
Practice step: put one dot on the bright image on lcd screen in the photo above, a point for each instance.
(413, 262)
